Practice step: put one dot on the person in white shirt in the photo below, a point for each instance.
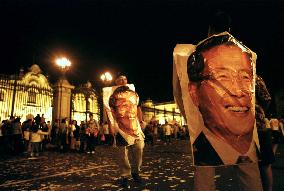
(35, 139)
(129, 135)
(168, 133)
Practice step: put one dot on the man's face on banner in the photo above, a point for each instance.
(224, 98)
(126, 106)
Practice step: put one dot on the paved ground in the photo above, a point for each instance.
(164, 168)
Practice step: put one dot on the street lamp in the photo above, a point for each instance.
(106, 78)
(64, 65)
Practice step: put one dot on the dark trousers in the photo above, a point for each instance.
(91, 141)
(17, 144)
(35, 147)
(168, 138)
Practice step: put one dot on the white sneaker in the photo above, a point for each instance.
(93, 152)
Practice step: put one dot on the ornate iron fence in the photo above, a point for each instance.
(21, 100)
(85, 101)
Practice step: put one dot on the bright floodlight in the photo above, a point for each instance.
(63, 62)
(106, 77)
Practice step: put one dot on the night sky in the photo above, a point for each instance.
(132, 37)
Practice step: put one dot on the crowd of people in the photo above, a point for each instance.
(164, 132)
(35, 135)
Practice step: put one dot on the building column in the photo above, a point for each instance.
(62, 100)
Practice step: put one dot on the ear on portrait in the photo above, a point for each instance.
(192, 89)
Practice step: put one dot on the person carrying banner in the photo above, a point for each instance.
(123, 119)
(214, 87)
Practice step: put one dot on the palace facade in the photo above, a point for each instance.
(30, 93)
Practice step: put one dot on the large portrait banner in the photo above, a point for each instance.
(120, 108)
(213, 85)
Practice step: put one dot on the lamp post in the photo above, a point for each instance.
(64, 64)
(106, 79)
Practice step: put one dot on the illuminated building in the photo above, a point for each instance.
(26, 95)
(162, 112)
(29, 94)
(85, 101)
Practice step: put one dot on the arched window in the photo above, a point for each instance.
(32, 96)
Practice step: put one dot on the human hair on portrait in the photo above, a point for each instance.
(195, 62)
(121, 89)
